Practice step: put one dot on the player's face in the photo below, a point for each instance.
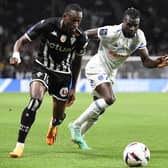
(72, 20)
(130, 26)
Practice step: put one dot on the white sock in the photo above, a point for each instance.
(86, 126)
(19, 144)
(95, 107)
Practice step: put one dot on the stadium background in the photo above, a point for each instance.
(17, 16)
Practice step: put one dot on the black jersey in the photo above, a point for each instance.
(56, 47)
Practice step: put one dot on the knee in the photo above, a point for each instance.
(110, 100)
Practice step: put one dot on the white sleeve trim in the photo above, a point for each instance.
(27, 36)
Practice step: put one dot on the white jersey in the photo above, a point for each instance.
(115, 48)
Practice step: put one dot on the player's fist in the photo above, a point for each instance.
(15, 59)
(162, 61)
(70, 101)
(71, 98)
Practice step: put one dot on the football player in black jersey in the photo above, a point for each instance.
(56, 68)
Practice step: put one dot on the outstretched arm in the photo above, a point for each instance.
(160, 62)
(92, 33)
(15, 59)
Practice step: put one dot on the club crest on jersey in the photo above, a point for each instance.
(73, 39)
(63, 38)
(64, 91)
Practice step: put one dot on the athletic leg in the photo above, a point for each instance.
(88, 118)
(37, 91)
(57, 119)
(107, 96)
(59, 89)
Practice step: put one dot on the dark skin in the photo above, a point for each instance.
(69, 23)
(129, 28)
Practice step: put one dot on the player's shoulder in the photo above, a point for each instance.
(140, 36)
(109, 28)
(114, 27)
(109, 31)
(51, 21)
(140, 33)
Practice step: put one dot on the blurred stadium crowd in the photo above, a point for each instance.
(18, 15)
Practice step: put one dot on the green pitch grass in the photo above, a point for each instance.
(134, 117)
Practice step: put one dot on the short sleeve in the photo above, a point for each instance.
(39, 28)
(105, 32)
(142, 39)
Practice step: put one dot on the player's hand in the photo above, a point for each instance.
(71, 98)
(15, 59)
(162, 61)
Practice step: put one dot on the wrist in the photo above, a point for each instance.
(16, 55)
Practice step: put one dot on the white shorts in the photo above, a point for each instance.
(96, 73)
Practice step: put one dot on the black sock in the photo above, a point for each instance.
(56, 121)
(27, 120)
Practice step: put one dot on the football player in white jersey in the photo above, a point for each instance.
(117, 43)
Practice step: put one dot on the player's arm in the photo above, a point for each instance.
(79, 53)
(148, 62)
(76, 65)
(31, 34)
(15, 59)
(92, 33)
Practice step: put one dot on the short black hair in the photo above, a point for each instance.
(74, 6)
(132, 12)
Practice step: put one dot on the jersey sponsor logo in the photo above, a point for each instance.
(64, 91)
(63, 38)
(59, 48)
(103, 32)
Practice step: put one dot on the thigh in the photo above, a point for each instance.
(105, 90)
(40, 74)
(37, 90)
(39, 83)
